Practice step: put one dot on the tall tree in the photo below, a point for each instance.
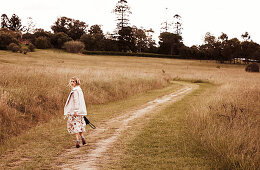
(140, 39)
(122, 10)
(73, 28)
(211, 48)
(177, 24)
(126, 39)
(15, 23)
(4, 21)
(170, 43)
(94, 40)
(246, 36)
(150, 41)
(165, 25)
(248, 47)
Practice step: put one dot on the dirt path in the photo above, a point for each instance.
(108, 134)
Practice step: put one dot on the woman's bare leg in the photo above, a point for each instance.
(77, 136)
(77, 140)
(81, 134)
(82, 138)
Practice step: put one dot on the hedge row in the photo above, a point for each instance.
(131, 54)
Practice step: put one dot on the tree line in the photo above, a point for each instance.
(126, 38)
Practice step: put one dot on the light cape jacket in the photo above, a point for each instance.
(75, 103)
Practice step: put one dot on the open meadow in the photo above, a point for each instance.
(222, 117)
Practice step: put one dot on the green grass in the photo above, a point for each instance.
(39, 147)
(164, 143)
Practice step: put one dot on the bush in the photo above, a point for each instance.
(252, 67)
(58, 39)
(42, 42)
(24, 50)
(6, 39)
(74, 46)
(13, 47)
(31, 47)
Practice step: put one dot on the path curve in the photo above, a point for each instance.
(123, 122)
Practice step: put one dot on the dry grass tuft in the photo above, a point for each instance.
(227, 124)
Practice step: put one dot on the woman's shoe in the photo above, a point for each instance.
(83, 141)
(77, 144)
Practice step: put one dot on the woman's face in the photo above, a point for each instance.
(73, 83)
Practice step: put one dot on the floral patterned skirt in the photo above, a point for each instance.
(76, 124)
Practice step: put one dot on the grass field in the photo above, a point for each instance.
(33, 88)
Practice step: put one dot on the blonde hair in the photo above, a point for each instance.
(76, 79)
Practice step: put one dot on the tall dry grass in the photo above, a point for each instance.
(35, 91)
(225, 121)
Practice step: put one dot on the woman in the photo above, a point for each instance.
(75, 110)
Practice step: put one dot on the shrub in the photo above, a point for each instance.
(42, 42)
(74, 46)
(252, 67)
(13, 47)
(31, 47)
(6, 39)
(58, 39)
(24, 50)
(28, 36)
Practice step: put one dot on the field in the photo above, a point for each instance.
(222, 119)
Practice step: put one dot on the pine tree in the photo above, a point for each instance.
(122, 11)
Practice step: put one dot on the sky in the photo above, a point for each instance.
(233, 17)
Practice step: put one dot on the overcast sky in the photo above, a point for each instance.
(233, 17)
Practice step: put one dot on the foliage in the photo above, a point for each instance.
(4, 21)
(256, 54)
(74, 46)
(14, 23)
(28, 36)
(38, 33)
(224, 49)
(177, 24)
(253, 67)
(30, 28)
(110, 45)
(141, 40)
(94, 40)
(24, 49)
(7, 37)
(13, 47)
(58, 39)
(122, 10)
(170, 43)
(41, 33)
(126, 40)
(248, 49)
(31, 47)
(73, 28)
(42, 42)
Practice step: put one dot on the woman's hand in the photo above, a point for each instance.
(75, 114)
